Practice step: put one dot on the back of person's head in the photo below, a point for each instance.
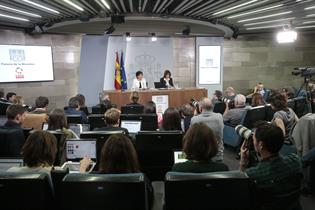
(9, 95)
(289, 92)
(257, 100)
(218, 93)
(187, 110)
(41, 102)
(171, 119)
(239, 100)
(119, 156)
(74, 102)
(134, 97)
(112, 116)
(138, 73)
(167, 72)
(18, 100)
(57, 120)
(149, 108)
(15, 111)
(200, 143)
(81, 98)
(1, 94)
(40, 149)
(230, 91)
(278, 101)
(270, 135)
(206, 104)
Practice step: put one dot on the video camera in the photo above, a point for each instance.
(304, 71)
(226, 100)
(195, 104)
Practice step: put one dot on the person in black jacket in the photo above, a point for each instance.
(167, 80)
(112, 121)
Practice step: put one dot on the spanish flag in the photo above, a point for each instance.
(117, 74)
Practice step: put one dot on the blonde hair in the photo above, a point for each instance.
(18, 100)
(112, 116)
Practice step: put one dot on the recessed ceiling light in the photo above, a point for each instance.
(105, 4)
(301, 27)
(309, 8)
(74, 5)
(41, 6)
(269, 21)
(255, 11)
(286, 36)
(237, 6)
(263, 17)
(19, 11)
(263, 27)
(13, 17)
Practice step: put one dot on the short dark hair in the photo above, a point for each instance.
(278, 101)
(1, 94)
(171, 119)
(218, 93)
(74, 102)
(14, 110)
(10, 94)
(119, 156)
(187, 110)
(41, 102)
(57, 120)
(271, 136)
(81, 98)
(149, 108)
(138, 73)
(167, 72)
(134, 97)
(200, 143)
(40, 148)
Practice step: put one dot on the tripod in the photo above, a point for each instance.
(305, 86)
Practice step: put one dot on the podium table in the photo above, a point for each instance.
(176, 97)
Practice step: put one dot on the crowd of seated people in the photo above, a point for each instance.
(202, 142)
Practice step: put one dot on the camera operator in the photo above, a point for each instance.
(273, 173)
(234, 116)
(229, 93)
(213, 121)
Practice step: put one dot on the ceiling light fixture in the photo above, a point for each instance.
(41, 6)
(19, 11)
(266, 16)
(13, 17)
(128, 37)
(311, 15)
(269, 21)
(309, 8)
(255, 11)
(153, 38)
(237, 6)
(74, 5)
(287, 35)
(105, 4)
(302, 27)
(263, 27)
(308, 22)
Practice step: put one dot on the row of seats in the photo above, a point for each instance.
(218, 190)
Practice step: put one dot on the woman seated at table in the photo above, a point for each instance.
(167, 80)
(139, 82)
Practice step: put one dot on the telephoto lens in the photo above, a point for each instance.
(243, 132)
(195, 104)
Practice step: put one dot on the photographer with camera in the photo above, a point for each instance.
(274, 174)
(234, 116)
(213, 121)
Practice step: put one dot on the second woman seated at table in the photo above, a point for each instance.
(167, 80)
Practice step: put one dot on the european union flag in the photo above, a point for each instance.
(123, 73)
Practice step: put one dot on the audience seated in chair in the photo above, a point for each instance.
(187, 112)
(213, 121)
(200, 146)
(257, 100)
(34, 121)
(149, 108)
(134, 99)
(74, 109)
(2, 99)
(10, 97)
(112, 121)
(230, 93)
(41, 104)
(274, 173)
(234, 116)
(171, 120)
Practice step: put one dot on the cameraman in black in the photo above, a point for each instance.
(274, 174)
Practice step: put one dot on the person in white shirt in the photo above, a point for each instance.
(139, 82)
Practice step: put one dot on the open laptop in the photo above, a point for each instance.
(77, 150)
(179, 157)
(159, 85)
(5, 164)
(133, 126)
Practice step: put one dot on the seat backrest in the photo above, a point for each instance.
(253, 115)
(269, 113)
(300, 106)
(96, 121)
(156, 151)
(7, 163)
(104, 191)
(132, 109)
(148, 121)
(291, 104)
(25, 191)
(3, 107)
(11, 142)
(96, 110)
(74, 118)
(34, 121)
(219, 107)
(61, 139)
(217, 190)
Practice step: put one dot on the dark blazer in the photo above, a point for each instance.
(164, 83)
(111, 128)
(73, 111)
(11, 139)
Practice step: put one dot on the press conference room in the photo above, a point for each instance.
(157, 104)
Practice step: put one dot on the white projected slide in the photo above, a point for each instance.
(25, 63)
(209, 65)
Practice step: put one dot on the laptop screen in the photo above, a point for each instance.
(179, 157)
(5, 164)
(131, 126)
(78, 149)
